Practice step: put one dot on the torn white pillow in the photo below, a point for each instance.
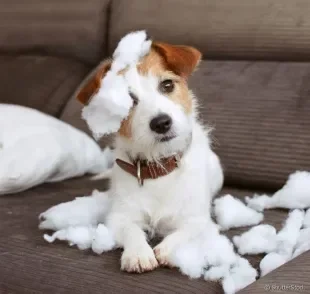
(82, 211)
(294, 194)
(232, 213)
(259, 239)
(38, 148)
(111, 105)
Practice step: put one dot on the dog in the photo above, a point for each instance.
(166, 173)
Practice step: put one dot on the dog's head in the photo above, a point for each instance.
(160, 122)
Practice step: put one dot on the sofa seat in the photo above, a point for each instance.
(42, 82)
(30, 265)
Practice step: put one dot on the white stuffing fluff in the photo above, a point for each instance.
(286, 240)
(231, 213)
(272, 261)
(83, 211)
(212, 256)
(111, 105)
(303, 242)
(130, 49)
(103, 240)
(306, 223)
(294, 194)
(234, 276)
(80, 236)
(240, 275)
(259, 239)
(287, 237)
(85, 237)
(210, 248)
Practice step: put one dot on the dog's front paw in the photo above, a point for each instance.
(162, 253)
(139, 261)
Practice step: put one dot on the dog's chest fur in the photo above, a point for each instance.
(162, 203)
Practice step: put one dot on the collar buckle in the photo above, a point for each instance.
(140, 179)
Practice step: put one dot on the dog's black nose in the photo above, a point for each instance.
(161, 124)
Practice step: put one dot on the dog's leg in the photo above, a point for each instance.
(138, 256)
(186, 232)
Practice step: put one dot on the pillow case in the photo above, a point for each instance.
(37, 148)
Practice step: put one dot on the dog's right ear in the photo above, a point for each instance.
(93, 83)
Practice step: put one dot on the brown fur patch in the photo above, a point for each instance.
(182, 60)
(156, 64)
(125, 129)
(92, 85)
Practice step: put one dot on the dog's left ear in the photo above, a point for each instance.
(182, 60)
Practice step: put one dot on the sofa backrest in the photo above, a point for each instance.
(221, 29)
(260, 110)
(72, 28)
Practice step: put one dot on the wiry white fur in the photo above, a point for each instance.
(294, 194)
(286, 241)
(231, 212)
(111, 105)
(176, 206)
(259, 239)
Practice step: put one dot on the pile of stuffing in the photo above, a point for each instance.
(212, 255)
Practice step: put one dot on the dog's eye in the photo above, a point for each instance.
(166, 86)
(134, 98)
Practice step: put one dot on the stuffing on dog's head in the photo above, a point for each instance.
(160, 121)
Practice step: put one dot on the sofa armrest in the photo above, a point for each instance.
(292, 277)
(73, 28)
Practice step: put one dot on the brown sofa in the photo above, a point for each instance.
(253, 86)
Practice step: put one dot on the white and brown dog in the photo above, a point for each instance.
(166, 173)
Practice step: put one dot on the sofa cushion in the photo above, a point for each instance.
(261, 115)
(74, 28)
(41, 82)
(29, 264)
(264, 29)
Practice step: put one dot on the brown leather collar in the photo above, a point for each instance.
(144, 170)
